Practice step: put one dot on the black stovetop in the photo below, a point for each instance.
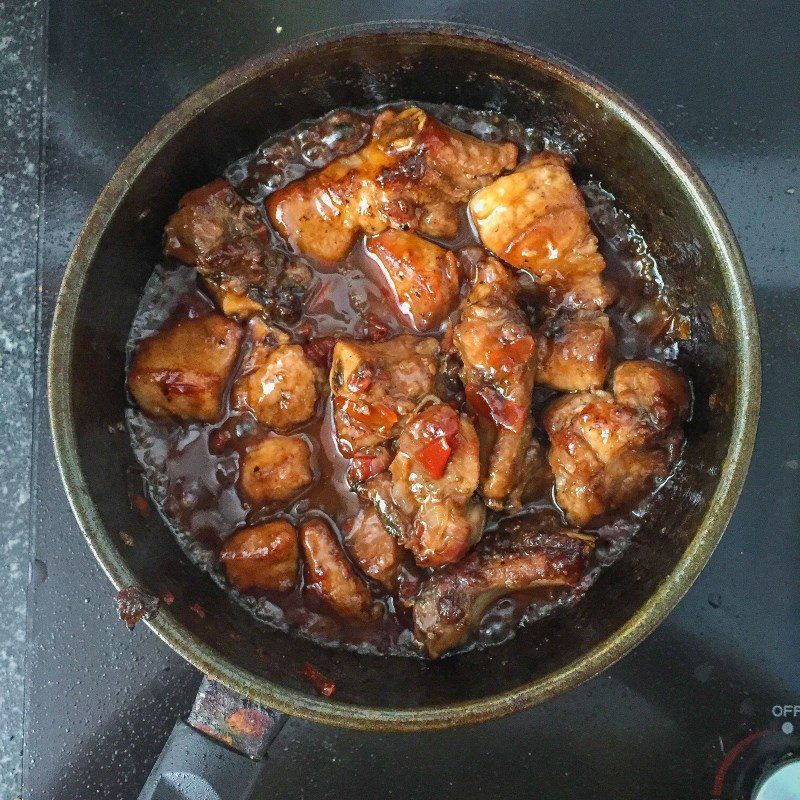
(723, 78)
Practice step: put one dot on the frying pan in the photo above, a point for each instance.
(615, 142)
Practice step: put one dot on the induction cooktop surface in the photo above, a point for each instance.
(710, 702)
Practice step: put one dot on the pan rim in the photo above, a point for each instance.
(674, 585)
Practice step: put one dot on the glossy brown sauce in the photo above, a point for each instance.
(191, 468)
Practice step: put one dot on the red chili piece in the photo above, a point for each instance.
(363, 467)
(322, 684)
(360, 380)
(511, 355)
(434, 457)
(490, 404)
(376, 417)
(376, 329)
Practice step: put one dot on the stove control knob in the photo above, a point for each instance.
(780, 783)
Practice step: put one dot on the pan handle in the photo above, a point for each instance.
(192, 766)
(219, 753)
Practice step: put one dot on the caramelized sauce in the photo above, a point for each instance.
(191, 468)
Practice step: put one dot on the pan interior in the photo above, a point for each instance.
(374, 69)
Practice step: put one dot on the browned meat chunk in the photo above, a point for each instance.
(575, 353)
(376, 386)
(535, 554)
(245, 278)
(375, 551)
(183, 369)
(536, 477)
(424, 277)
(224, 237)
(262, 557)
(660, 391)
(329, 576)
(275, 468)
(536, 219)
(279, 384)
(498, 352)
(410, 175)
(606, 454)
(206, 218)
(232, 304)
(425, 499)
